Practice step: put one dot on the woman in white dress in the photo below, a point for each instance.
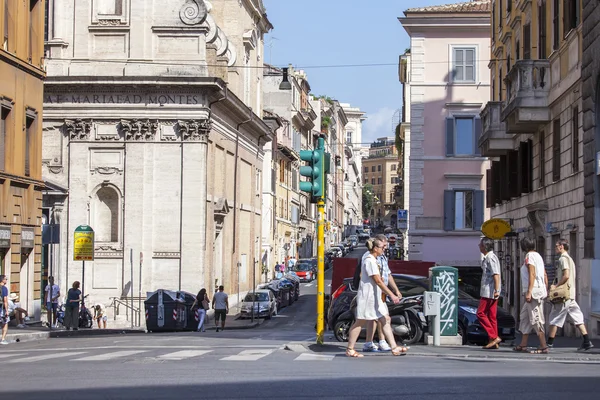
(370, 303)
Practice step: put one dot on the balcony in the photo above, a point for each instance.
(527, 87)
(494, 140)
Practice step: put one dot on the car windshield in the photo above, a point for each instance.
(256, 297)
(311, 261)
(302, 267)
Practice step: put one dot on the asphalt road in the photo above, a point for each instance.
(258, 364)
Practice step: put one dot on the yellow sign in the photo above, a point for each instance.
(495, 228)
(83, 245)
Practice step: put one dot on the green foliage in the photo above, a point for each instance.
(326, 98)
(325, 122)
(368, 198)
(399, 141)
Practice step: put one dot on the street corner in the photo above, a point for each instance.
(324, 348)
(296, 347)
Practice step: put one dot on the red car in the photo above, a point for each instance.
(304, 271)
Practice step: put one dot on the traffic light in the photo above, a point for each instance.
(316, 170)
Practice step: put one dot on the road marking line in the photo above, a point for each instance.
(248, 355)
(110, 356)
(45, 357)
(11, 355)
(314, 357)
(183, 354)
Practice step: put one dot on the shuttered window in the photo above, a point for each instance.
(462, 136)
(525, 167)
(556, 24)
(489, 189)
(527, 42)
(29, 135)
(542, 31)
(463, 65)
(463, 209)
(512, 158)
(575, 140)
(571, 16)
(3, 128)
(542, 177)
(556, 150)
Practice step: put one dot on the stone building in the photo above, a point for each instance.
(152, 132)
(591, 154)
(21, 102)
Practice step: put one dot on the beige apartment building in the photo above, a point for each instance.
(380, 170)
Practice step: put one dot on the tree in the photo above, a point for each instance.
(367, 200)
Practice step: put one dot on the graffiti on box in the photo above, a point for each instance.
(445, 284)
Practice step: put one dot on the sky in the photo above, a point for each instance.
(331, 33)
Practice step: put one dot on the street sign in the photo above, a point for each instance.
(83, 243)
(495, 228)
(402, 215)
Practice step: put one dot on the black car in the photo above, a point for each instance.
(413, 285)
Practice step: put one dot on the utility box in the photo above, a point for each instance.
(431, 304)
(444, 280)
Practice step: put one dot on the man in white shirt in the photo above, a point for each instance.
(52, 296)
(220, 304)
(15, 310)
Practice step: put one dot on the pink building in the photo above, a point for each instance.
(446, 85)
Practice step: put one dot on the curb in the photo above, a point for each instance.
(238, 327)
(43, 335)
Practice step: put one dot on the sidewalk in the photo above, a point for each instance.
(565, 350)
(233, 320)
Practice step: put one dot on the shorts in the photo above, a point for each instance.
(102, 318)
(220, 314)
(52, 306)
(560, 311)
(532, 316)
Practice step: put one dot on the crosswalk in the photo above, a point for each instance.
(159, 354)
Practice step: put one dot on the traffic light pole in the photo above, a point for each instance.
(321, 271)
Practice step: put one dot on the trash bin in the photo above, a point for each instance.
(165, 311)
(290, 289)
(191, 316)
(284, 293)
(296, 281)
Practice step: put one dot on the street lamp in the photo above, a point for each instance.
(285, 83)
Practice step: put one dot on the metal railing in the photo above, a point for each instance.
(132, 313)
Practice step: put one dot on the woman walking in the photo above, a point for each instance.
(72, 307)
(203, 303)
(533, 288)
(370, 303)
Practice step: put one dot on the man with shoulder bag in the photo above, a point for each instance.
(562, 297)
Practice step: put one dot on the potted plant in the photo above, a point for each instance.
(325, 122)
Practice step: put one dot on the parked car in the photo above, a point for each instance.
(413, 285)
(265, 304)
(304, 271)
(336, 251)
(353, 239)
(345, 248)
(313, 263)
(363, 235)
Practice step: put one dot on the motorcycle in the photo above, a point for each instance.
(85, 316)
(407, 320)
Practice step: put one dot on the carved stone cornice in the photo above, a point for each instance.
(139, 130)
(78, 129)
(194, 130)
(193, 12)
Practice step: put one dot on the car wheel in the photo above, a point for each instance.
(416, 333)
(268, 316)
(463, 333)
(340, 330)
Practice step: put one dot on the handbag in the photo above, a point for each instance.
(205, 304)
(560, 294)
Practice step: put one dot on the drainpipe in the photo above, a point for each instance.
(235, 190)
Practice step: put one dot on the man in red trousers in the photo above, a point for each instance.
(490, 292)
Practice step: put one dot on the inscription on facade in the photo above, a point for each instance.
(160, 99)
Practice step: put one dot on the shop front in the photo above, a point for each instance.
(5, 233)
(27, 271)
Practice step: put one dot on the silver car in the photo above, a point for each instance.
(264, 303)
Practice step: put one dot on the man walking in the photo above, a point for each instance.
(52, 296)
(220, 304)
(489, 292)
(565, 275)
(4, 318)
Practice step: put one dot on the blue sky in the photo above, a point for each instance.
(341, 32)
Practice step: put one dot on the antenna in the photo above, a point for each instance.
(396, 120)
(271, 49)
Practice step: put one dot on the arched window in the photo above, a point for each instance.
(106, 215)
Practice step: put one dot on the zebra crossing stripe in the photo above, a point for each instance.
(248, 355)
(45, 357)
(314, 357)
(183, 354)
(110, 356)
(9, 355)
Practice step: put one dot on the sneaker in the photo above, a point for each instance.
(3, 342)
(27, 319)
(370, 347)
(21, 326)
(217, 329)
(586, 346)
(550, 345)
(384, 346)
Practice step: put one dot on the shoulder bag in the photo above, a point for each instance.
(560, 294)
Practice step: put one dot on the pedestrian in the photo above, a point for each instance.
(382, 345)
(369, 301)
(72, 307)
(533, 291)
(52, 295)
(202, 304)
(16, 311)
(4, 318)
(220, 304)
(489, 293)
(567, 307)
(100, 314)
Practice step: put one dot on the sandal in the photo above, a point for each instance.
(352, 353)
(540, 351)
(399, 351)
(493, 347)
(520, 349)
(494, 344)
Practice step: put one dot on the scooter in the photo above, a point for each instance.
(407, 319)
